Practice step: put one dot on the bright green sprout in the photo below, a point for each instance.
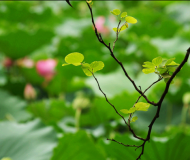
(128, 19)
(76, 59)
(140, 106)
(162, 67)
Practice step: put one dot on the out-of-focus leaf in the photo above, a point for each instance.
(134, 119)
(77, 146)
(42, 140)
(12, 108)
(15, 47)
(50, 111)
(141, 106)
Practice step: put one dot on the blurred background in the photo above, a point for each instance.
(50, 112)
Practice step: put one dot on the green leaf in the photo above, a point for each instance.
(173, 63)
(171, 68)
(165, 75)
(134, 119)
(162, 70)
(65, 64)
(124, 14)
(74, 58)
(116, 12)
(169, 61)
(132, 110)
(87, 69)
(96, 66)
(157, 61)
(163, 62)
(125, 26)
(141, 106)
(125, 111)
(147, 71)
(115, 29)
(166, 80)
(130, 19)
(78, 146)
(40, 138)
(148, 65)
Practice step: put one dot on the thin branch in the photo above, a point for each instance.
(108, 46)
(117, 34)
(116, 109)
(126, 145)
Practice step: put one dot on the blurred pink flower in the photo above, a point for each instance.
(7, 62)
(46, 68)
(29, 92)
(100, 25)
(25, 62)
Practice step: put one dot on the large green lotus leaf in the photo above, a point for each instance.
(50, 110)
(12, 107)
(29, 141)
(78, 146)
(159, 148)
(21, 43)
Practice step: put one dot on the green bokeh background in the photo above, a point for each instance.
(70, 119)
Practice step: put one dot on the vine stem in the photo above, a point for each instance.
(142, 94)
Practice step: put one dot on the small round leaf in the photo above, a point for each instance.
(96, 66)
(134, 119)
(74, 58)
(130, 19)
(124, 14)
(116, 12)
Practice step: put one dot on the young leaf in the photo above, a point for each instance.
(124, 14)
(165, 75)
(124, 27)
(141, 106)
(169, 61)
(157, 61)
(130, 19)
(134, 119)
(65, 64)
(74, 58)
(125, 111)
(166, 80)
(149, 70)
(173, 63)
(116, 12)
(132, 110)
(148, 65)
(96, 66)
(171, 68)
(163, 63)
(115, 29)
(162, 70)
(87, 69)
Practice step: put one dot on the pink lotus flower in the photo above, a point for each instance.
(29, 92)
(100, 25)
(46, 68)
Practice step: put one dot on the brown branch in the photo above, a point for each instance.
(158, 104)
(126, 145)
(109, 48)
(116, 109)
